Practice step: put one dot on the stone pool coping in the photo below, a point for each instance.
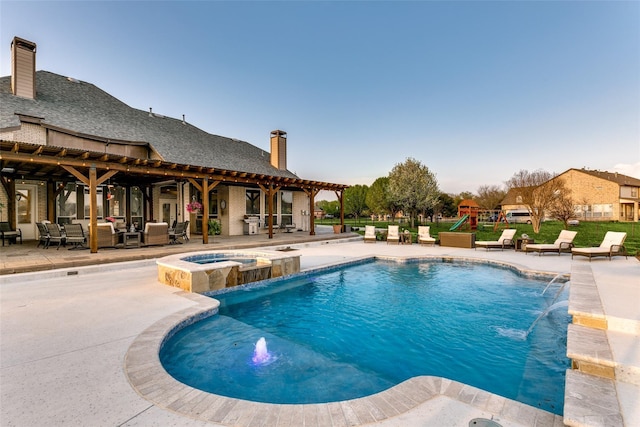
(147, 376)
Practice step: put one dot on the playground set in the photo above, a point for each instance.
(468, 213)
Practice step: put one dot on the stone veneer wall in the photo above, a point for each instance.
(221, 276)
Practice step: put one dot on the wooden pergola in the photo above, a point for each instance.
(19, 160)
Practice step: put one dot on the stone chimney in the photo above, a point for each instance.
(279, 149)
(23, 68)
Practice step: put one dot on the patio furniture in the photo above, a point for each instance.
(56, 235)
(369, 233)
(179, 231)
(10, 235)
(393, 234)
(107, 235)
(612, 245)
(505, 240)
(424, 236)
(156, 233)
(43, 235)
(457, 240)
(75, 236)
(563, 243)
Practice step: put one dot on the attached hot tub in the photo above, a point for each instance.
(202, 272)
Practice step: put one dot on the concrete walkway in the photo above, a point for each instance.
(65, 334)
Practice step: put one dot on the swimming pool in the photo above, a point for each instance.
(362, 329)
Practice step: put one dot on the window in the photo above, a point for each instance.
(100, 203)
(67, 204)
(116, 198)
(286, 207)
(137, 207)
(252, 202)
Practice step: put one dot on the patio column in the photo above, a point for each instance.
(312, 193)
(204, 189)
(92, 181)
(270, 191)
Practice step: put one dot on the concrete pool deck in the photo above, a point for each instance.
(65, 337)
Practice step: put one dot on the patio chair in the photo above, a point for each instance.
(370, 233)
(393, 234)
(75, 236)
(563, 243)
(6, 233)
(107, 235)
(612, 245)
(424, 236)
(505, 240)
(43, 235)
(156, 233)
(179, 231)
(56, 235)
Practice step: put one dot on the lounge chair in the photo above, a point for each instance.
(55, 235)
(563, 243)
(75, 236)
(10, 235)
(612, 244)
(424, 236)
(393, 234)
(505, 240)
(369, 233)
(156, 233)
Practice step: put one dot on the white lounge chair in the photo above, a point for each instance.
(505, 240)
(369, 233)
(612, 244)
(563, 243)
(424, 236)
(393, 234)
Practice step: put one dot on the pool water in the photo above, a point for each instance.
(362, 329)
(211, 258)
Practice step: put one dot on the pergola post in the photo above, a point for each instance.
(339, 195)
(204, 189)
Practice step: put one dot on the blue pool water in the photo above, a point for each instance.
(362, 329)
(212, 258)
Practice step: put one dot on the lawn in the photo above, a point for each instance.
(589, 233)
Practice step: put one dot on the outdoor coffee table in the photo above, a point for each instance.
(131, 239)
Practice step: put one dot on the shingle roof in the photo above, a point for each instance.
(83, 108)
(616, 177)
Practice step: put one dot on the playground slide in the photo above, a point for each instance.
(461, 221)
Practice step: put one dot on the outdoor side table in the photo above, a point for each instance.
(131, 239)
(521, 243)
(405, 238)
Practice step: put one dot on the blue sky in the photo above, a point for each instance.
(476, 90)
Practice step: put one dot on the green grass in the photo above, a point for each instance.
(589, 233)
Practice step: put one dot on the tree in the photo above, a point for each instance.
(413, 188)
(537, 198)
(563, 208)
(446, 205)
(378, 196)
(329, 207)
(490, 196)
(355, 200)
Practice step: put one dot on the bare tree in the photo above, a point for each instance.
(563, 207)
(537, 198)
(490, 196)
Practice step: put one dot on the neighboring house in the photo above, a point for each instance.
(69, 149)
(597, 195)
(601, 195)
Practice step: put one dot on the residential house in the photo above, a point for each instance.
(597, 195)
(71, 152)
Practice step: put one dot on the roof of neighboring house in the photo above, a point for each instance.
(83, 109)
(616, 177)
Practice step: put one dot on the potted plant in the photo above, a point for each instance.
(215, 228)
(194, 207)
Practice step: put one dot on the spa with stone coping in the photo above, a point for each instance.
(192, 272)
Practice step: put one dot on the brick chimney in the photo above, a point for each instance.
(23, 68)
(279, 149)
